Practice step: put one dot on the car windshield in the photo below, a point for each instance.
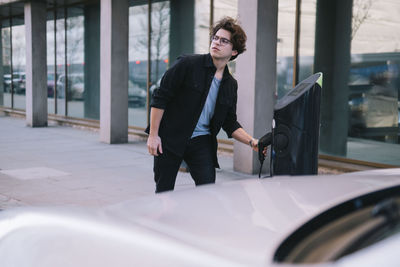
(344, 229)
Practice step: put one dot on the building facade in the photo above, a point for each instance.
(98, 61)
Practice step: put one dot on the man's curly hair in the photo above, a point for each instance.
(238, 36)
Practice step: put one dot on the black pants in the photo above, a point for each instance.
(199, 156)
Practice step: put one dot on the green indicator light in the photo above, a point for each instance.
(319, 81)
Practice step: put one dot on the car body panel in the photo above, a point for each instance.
(239, 223)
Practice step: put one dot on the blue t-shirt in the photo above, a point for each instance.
(203, 125)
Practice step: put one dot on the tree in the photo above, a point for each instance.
(360, 14)
(5, 35)
(159, 34)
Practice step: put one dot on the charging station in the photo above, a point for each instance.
(295, 132)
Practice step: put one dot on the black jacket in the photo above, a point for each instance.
(182, 94)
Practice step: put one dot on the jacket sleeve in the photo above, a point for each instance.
(170, 83)
(231, 124)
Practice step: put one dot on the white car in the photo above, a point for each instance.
(344, 220)
(76, 86)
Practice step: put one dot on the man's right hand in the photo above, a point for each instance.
(154, 145)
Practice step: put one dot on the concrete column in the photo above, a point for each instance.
(181, 28)
(36, 64)
(92, 61)
(256, 75)
(114, 16)
(332, 58)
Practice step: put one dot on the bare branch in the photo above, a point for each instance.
(360, 14)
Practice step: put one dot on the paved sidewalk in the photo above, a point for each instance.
(61, 165)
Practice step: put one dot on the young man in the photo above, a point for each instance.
(197, 96)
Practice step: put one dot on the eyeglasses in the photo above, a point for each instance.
(222, 41)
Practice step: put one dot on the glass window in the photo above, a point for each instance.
(224, 8)
(202, 26)
(374, 82)
(91, 63)
(51, 64)
(138, 52)
(285, 46)
(160, 23)
(18, 63)
(74, 80)
(307, 39)
(60, 59)
(6, 56)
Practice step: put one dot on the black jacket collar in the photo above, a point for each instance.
(208, 62)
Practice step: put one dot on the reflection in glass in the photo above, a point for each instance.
(75, 62)
(374, 81)
(60, 59)
(224, 8)
(160, 25)
(307, 39)
(51, 77)
(137, 83)
(18, 63)
(160, 22)
(202, 26)
(285, 46)
(5, 34)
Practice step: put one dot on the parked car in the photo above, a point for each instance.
(19, 82)
(373, 108)
(136, 95)
(76, 86)
(19, 79)
(7, 82)
(335, 220)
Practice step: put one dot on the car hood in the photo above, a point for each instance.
(238, 223)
